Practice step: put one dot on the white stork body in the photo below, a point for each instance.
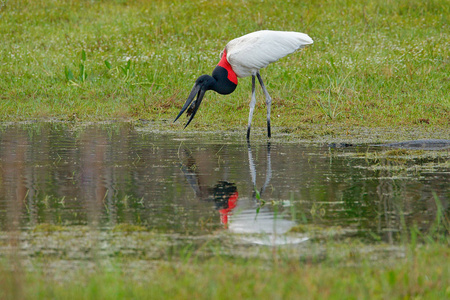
(242, 57)
(254, 51)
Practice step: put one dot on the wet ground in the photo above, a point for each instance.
(126, 190)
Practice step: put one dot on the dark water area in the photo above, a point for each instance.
(104, 175)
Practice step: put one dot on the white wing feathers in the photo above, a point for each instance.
(249, 53)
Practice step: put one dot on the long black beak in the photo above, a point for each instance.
(196, 90)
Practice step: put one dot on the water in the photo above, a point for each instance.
(195, 185)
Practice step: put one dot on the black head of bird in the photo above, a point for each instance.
(223, 81)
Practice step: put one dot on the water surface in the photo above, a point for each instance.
(104, 175)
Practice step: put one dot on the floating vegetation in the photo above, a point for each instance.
(128, 228)
(48, 228)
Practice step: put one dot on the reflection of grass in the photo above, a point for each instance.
(441, 225)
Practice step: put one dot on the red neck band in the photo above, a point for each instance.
(226, 65)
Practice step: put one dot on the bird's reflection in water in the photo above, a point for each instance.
(251, 164)
(224, 194)
(259, 223)
(225, 199)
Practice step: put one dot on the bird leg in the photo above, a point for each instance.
(268, 102)
(252, 107)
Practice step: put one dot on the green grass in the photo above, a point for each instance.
(422, 274)
(373, 63)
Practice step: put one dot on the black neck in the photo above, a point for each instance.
(222, 85)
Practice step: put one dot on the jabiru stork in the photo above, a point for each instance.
(242, 57)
